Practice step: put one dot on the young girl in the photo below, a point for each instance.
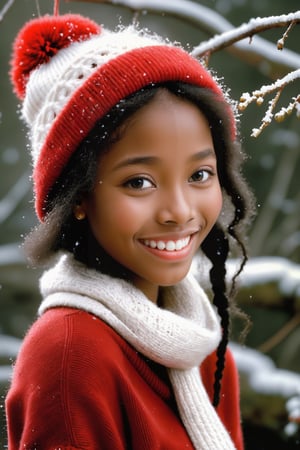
(136, 169)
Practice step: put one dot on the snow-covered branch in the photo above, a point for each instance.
(280, 274)
(259, 95)
(248, 30)
(209, 21)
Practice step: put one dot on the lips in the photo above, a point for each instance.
(169, 246)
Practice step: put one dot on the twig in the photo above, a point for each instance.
(284, 173)
(281, 42)
(280, 335)
(254, 26)
(267, 119)
(259, 95)
(5, 8)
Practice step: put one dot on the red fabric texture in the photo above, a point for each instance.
(78, 385)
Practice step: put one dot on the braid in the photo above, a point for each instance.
(216, 248)
(244, 210)
(234, 233)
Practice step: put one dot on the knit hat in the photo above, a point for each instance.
(69, 72)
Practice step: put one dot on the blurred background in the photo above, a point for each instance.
(270, 285)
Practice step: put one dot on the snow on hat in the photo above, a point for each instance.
(69, 72)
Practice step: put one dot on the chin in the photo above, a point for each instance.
(171, 281)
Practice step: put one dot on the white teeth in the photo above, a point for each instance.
(170, 246)
(180, 244)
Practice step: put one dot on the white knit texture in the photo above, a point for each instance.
(204, 428)
(179, 335)
(51, 85)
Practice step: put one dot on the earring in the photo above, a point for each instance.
(79, 213)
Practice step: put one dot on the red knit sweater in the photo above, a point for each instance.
(78, 385)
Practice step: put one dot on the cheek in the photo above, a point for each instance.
(115, 214)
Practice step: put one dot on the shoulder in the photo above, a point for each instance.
(61, 325)
(67, 375)
(66, 339)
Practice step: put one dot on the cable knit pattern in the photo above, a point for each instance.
(179, 335)
(69, 69)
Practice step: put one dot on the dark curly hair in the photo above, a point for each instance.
(61, 231)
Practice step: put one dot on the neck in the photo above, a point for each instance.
(150, 290)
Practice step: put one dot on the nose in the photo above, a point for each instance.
(175, 206)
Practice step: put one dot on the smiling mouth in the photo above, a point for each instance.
(169, 246)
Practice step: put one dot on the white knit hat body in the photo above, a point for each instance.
(51, 85)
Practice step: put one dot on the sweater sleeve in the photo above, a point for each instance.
(61, 395)
(229, 406)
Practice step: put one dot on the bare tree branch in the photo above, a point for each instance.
(11, 255)
(9, 203)
(5, 8)
(281, 334)
(276, 195)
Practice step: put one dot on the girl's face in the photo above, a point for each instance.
(157, 193)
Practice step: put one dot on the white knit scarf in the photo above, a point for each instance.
(178, 335)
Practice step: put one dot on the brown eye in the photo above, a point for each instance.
(139, 183)
(200, 175)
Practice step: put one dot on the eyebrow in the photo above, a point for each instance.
(151, 160)
(203, 154)
(136, 160)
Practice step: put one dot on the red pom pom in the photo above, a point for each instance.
(42, 38)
